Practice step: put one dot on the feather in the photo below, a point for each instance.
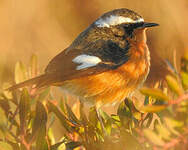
(34, 81)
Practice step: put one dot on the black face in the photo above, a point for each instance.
(129, 28)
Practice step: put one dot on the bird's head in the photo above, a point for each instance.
(122, 22)
(117, 26)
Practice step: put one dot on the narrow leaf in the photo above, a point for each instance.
(173, 124)
(93, 116)
(63, 119)
(174, 85)
(124, 114)
(39, 127)
(71, 115)
(153, 137)
(58, 145)
(155, 93)
(83, 116)
(24, 107)
(184, 76)
(72, 145)
(163, 132)
(51, 136)
(3, 120)
(153, 108)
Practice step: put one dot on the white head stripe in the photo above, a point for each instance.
(115, 20)
(86, 61)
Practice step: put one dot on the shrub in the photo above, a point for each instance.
(160, 123)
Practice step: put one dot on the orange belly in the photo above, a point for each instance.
(110, 86)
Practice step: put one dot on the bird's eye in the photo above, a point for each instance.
(128, 29)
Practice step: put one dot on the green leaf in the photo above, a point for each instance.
(72, 116)
(41, 142)
(104, 115)
(58, 146)
(184, 76)
(3, 121)
(174, 85)
(72, 145)
(20, 72)
(153, 137)
(62, 104)
(153, 108)
(63, 119)
(108, 126)
(51, 136)
(155, 93)
(123, 110)
(173, 124)
(124, 113)
(115, 118)
(93, 119)
(5, 146)
(107, 121)
(39, 127)
(24, 107)
(163, 132)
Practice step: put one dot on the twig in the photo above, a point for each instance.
(174, 142)
(179, 99)
(13, 117)
(24, 142)
(171, 144)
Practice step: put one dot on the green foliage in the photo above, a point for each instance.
(27, 118)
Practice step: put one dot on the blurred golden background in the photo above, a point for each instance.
(46, 27)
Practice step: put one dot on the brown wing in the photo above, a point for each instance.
(108, 51)
(59, 69)
(62, 67)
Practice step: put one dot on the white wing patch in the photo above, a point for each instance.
(115, 20)
(86, 61)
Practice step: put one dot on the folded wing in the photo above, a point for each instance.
(98, 57)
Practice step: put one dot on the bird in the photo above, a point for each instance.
(106, 63)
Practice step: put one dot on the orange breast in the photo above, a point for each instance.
(110, 86)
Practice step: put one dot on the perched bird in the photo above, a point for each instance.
(105, 63)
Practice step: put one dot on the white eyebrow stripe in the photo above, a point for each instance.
(86, 61)
(115, 20)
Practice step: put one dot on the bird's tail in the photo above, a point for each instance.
(39, 81)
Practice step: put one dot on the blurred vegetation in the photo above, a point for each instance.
(42, 120)
(159, 123)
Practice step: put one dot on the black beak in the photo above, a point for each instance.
(147, 25)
